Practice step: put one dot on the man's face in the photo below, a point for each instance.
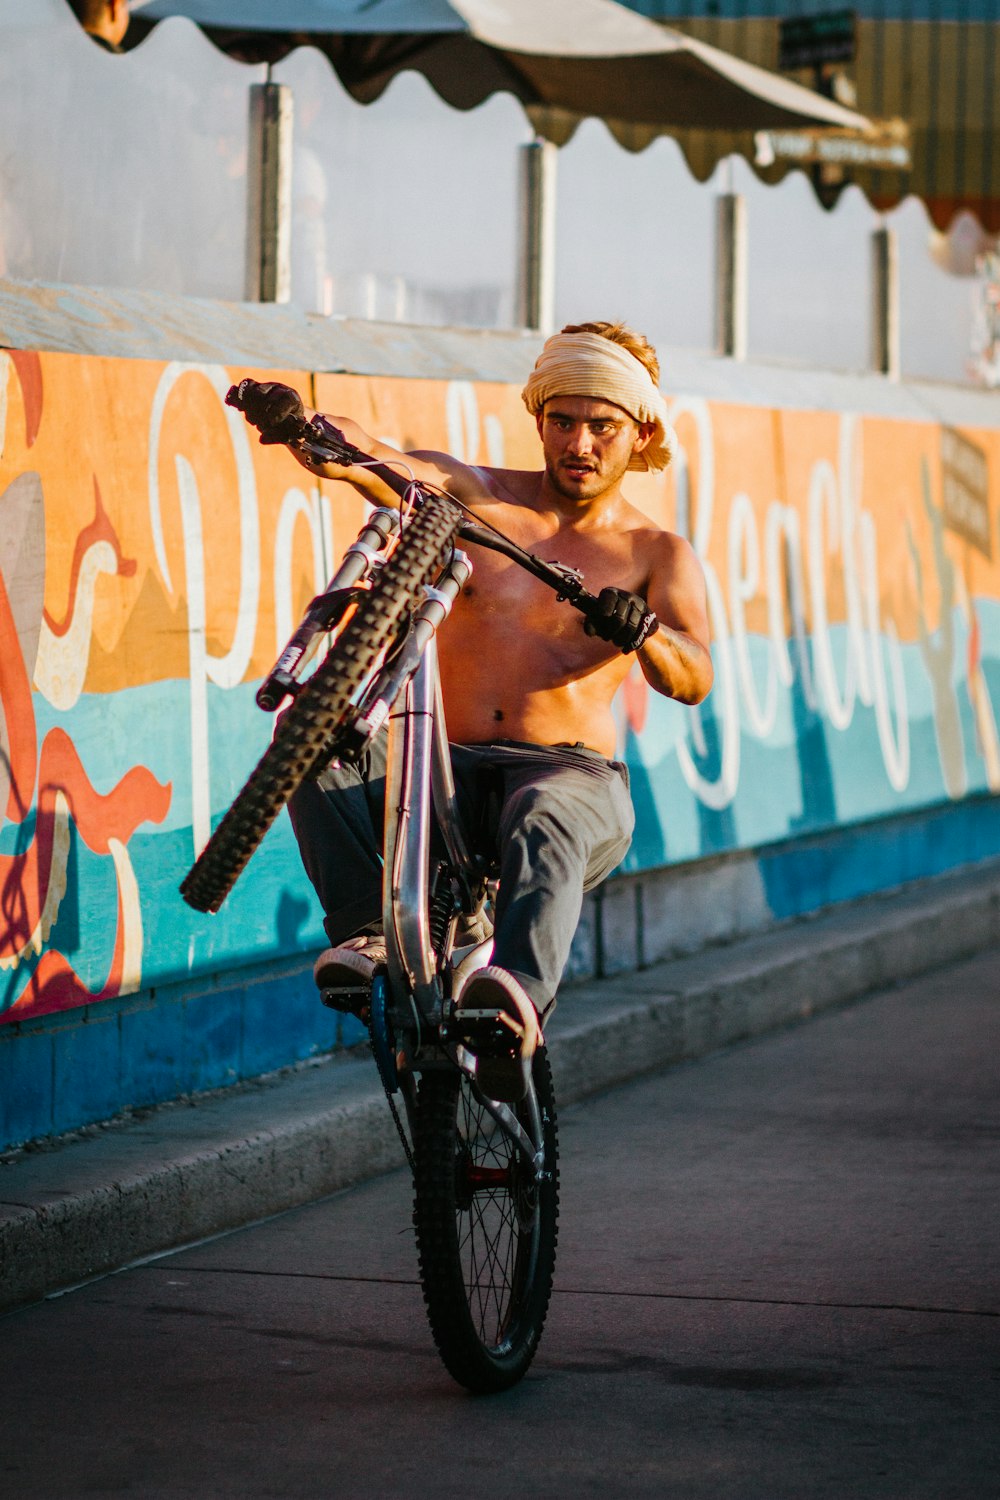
(588, 444)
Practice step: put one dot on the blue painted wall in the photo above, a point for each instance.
(850, 744)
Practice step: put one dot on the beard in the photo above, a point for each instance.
(589, 486)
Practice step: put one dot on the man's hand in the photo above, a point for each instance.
(276, 410)
(622, 618)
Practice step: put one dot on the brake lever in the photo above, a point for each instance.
(325, 443)
(573, 579)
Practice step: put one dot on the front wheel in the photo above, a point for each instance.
(307, 732)
(486, 1230)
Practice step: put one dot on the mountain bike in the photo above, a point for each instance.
(486, 1180)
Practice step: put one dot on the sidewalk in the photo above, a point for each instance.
(185, 1171)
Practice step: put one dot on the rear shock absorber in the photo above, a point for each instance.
(442, 909)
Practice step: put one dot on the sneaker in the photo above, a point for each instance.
(344, 974)
(502, 1072)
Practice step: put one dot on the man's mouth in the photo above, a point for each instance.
(578, 469)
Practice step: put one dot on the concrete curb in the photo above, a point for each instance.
(683, 1009)
(92, 1205)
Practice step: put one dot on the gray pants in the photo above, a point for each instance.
(557, 820)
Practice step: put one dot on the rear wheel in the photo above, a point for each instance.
(307, 732)
(486, 1230)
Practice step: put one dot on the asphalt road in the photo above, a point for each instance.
(778, 1277)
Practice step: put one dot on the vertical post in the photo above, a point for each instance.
(537, 268)
(885, 303)
(269, 194)
(731, 275)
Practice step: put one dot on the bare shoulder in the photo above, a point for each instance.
(665, 552)
(676, 585)
(673, 553)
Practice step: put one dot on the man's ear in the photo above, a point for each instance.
(644, 436)
(539, 421)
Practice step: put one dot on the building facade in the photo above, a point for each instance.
(934, 64)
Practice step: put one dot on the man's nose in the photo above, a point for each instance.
(581, 441)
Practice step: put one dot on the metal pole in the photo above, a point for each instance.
(536, 278)
(731, 275)
(269, 194)
(885, 303)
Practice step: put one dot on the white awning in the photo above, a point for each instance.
(584, 57)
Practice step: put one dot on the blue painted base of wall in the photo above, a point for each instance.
(63, 1071)
(859, 859)
(60, 1072)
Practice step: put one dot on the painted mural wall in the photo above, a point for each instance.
(154, 559)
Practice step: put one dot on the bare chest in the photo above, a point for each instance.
(511, 621)
(499, 587)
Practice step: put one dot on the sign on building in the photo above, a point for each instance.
(965, 490)
(885, 146)
(811, 41)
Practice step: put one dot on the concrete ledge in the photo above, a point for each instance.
(89, 1206)
(618, 1028)
(71, 1069)
(133, 323)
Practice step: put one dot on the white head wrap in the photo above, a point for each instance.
(588, 364)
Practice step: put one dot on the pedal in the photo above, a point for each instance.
(350, 1001)
(490, 1032)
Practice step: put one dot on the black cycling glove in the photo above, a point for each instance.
(624, 619)
(276, 410)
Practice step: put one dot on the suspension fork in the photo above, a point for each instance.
(405, 883)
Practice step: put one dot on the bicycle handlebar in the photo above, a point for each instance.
(325, 443)
(322, 441)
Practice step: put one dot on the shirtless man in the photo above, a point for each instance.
(528, 686)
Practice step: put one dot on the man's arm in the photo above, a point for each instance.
(437, 470)
(278, 412)
(675, 660)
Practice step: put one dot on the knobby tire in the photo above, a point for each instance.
(486, 1230)
(308, 730)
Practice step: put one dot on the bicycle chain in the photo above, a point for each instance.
(389, 1100)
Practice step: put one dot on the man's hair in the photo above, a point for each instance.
(619, 333)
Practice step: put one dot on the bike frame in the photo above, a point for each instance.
(405, 692)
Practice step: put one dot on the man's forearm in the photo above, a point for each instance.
(675, 665)
(361, 477)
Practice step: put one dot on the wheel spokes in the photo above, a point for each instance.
(491, 1233)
